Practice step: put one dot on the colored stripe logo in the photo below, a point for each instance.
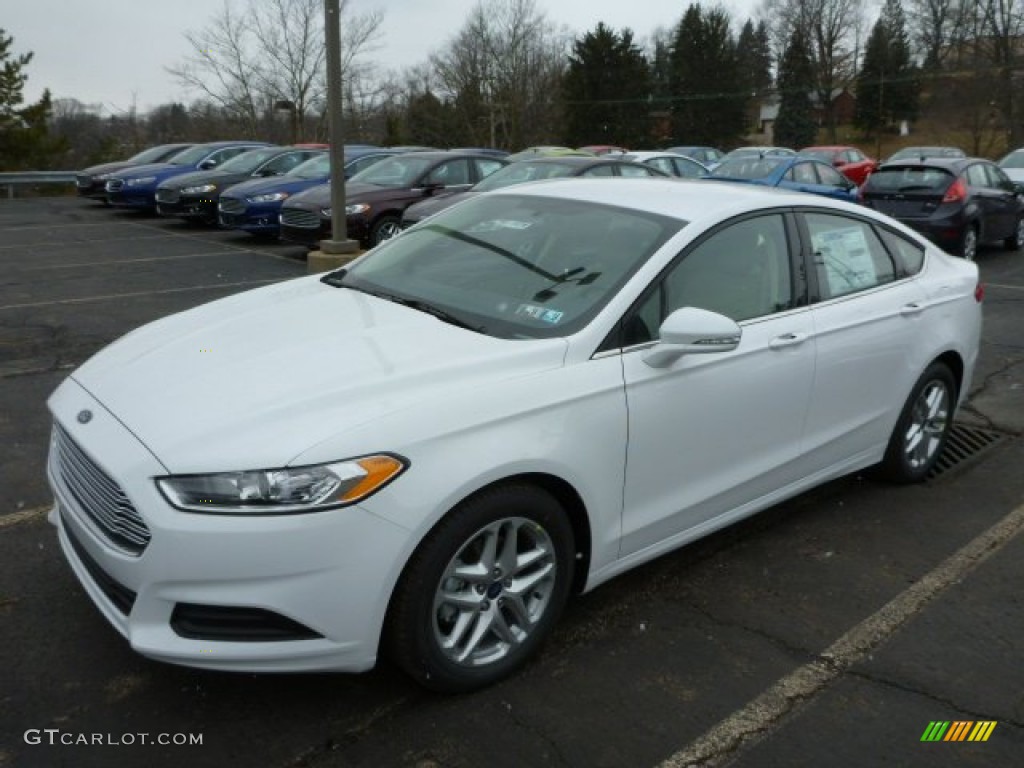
(958, 730)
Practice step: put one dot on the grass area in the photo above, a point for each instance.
(988, 143)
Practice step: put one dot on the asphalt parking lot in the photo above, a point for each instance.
(828, 631)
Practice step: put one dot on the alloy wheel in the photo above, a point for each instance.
(927, 427)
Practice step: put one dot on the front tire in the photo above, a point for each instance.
(923, 427)
(385, 228)
(484, 589)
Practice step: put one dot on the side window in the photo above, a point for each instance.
(803, 173)
(741, 271)
(284, 163)
(222, 156)
(853, 156)
(832, 177)
(636, 170)
(485, 168)
(848, 256)
(451, 173)
(663, 164)
(687, 169)
(998, 179)
(599, 170)
(976, 176)
(909, 254)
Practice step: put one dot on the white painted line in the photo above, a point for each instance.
(766, 712)
(62, 243)
(23, 516)
(128, 261)
(238, 248)
(52, 226)
(108, 297)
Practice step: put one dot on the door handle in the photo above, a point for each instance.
(787, 340)
(911, 309)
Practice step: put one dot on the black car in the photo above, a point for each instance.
(954, 202)
(195, 195)
(91, 182)
(375, 198)
(531, 170)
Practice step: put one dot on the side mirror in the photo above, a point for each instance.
(692, 331)
(208, 164)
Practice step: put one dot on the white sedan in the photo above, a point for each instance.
(523, 396)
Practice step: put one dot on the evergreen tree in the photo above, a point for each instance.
(754, 55)
(888, 85)
(795, 126)
(606, 90)
(24, 138)
(707, 88)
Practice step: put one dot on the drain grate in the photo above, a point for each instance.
(965, 443)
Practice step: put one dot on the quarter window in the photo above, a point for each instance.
(910, 255)
(848, 256)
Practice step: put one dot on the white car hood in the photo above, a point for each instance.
(254, 380)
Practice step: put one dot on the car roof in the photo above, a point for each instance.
(955, 164)
(690, 200)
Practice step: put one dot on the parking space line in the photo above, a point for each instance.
(111, 296)
(51, 226)
(233, 247)
(62, 243)
(129, 261)
(766, 712)
(1007, 287)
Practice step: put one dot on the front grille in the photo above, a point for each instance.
(115, 185)
(231, 205)
(83, 180)
(117, 593)
(167, 195)
(97, 495)
(296, 217)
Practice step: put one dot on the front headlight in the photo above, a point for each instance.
(202, 189)
(271, 197)
(102, 177)
(286, 490)
(351, 210)
(142, 180)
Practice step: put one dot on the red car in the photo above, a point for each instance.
(854, 164)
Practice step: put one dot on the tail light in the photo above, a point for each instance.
(956, 193)
(979, 292)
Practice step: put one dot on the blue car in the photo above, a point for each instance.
(803, 174)
(135, 187)
(253, 206)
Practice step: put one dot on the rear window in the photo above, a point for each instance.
(909, 180)
(747, 167)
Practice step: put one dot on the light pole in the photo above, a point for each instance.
(339, 244)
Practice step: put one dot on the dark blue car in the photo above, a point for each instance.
(135, 187)
(803, 174)
(253, 206)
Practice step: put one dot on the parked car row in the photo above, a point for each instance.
(267, 190)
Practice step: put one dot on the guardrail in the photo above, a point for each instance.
(12, 180)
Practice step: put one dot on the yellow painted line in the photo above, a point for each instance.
(24, 516)
(766, 712)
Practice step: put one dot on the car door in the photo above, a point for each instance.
(1006, 202)
(802, 177)
(867, 319)
(833, 183)
(452, 175)
(713, 432)
(993, 203)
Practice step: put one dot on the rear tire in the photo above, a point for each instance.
(1015, 241)
(923, 427)
(483, 590)
(969, 243)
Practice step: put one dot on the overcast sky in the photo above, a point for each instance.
(110, 52)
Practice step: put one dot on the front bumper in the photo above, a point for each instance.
(188, 207)
(255, 219)
(324, 579)
(127, 197)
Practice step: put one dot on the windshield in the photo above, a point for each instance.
(522, 172)
(318, 167)
(398, 171)
(748, 167)
(913, 179)
(154, 154)
(249, 161)
(191, 156)
(516, 266)
(1013, 160)
(820, 154)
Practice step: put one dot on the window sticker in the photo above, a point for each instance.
(846, 256)
(493, 225)
(543, 314)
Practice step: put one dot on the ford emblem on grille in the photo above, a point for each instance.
(84, 417)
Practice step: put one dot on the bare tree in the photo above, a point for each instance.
(270, 54)
(502, 71)
(1004, 26)
(832, 29)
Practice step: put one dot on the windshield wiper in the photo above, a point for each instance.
(430, 309)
